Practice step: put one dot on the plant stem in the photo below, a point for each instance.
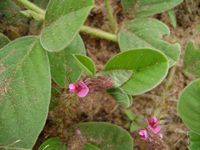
(31, 6)
(85, 29)
(30, 13)
(99, 33)
(111, 18)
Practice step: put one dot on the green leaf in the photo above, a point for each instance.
(64, 68)
(189, 104)
(194, 141)
(53, 144)
(89, 146)
(128, 5)
(120, 96)
(192, 60)
(63, 21)
(54, 97)
(149, 68)
(131, 116)
(172, 17)
(147, 33)
(119, 77)
(25, 89)
(134, 127)
(86, 64)
(106, 136)
(3, 40)
(145, 8)
(41, 3)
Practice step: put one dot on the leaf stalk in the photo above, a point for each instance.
(111, 18)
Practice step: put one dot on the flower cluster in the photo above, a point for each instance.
(152, 136)
(152, 127)
(81, 89)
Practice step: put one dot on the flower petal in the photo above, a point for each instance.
(152, 121)
(72, 88)
(83, 90)
(143, 134)
(156, 129)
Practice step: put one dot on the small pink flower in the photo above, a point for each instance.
(72, 88)
(143, 134)
(155, 128)
(81, 89)
(152, 121)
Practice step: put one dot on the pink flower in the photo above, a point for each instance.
(152, 121)
(143, 134)
(81, 89)
(155, 128)
(72, 88)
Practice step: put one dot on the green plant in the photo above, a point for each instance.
(189, 99)
(3, 40)
(53, 144)
(192, 60)
(28, 64)
(188, 109)
(105, 135)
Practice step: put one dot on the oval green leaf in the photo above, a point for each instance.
(41, 3)
(128, 6)
(63, 21)
(106, 136)
(25, 89)
(86, 64)
(172, 16)
(149, 68)
(147, 33)
(120, 96)
(189, 106)
(3, 40)
(145, 8)
(131, 116)
(192, 60)
(194, 141)
(152, 7)
(53, 144)
(64, 68)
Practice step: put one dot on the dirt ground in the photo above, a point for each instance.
(99, 106)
